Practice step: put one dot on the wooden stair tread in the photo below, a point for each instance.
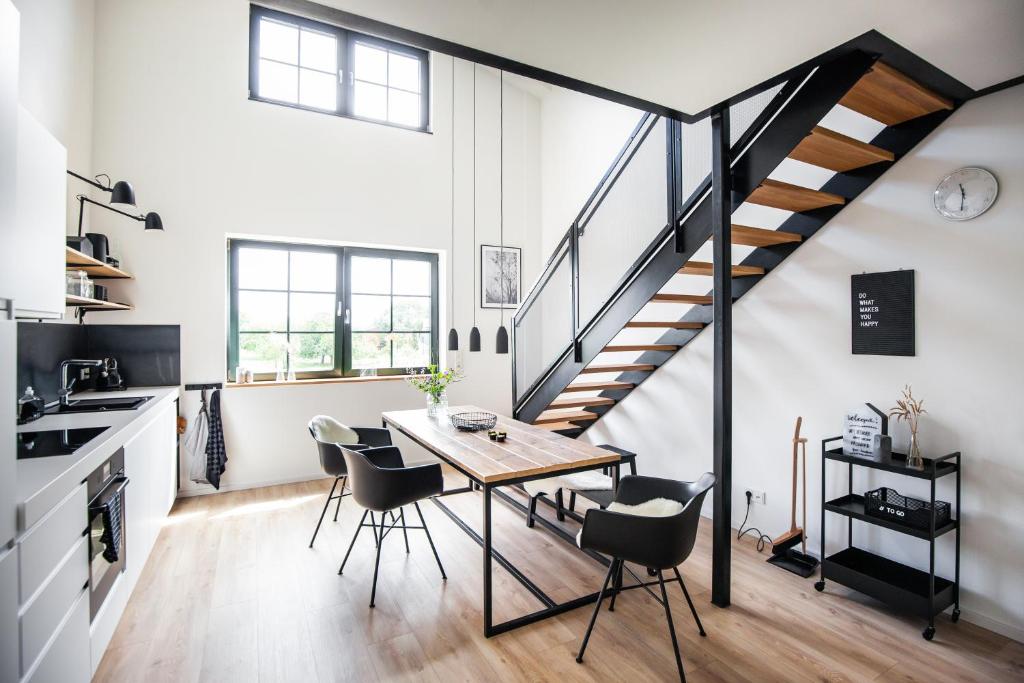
(613, 385)
(558, 426)
(828, 149)
(666, 324)
(701, 299)
(762, 237)
(891, 97)
(792, 197)
(616, 348)
(617, 367)
(550, 416)
(581, 402)
(707, 268)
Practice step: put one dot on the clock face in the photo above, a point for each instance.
(965, 193)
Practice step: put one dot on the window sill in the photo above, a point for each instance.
(322, 380)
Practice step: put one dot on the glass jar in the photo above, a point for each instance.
(76, 282)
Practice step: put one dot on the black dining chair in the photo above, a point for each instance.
(333, 462)
(380, 482)
(658, 543)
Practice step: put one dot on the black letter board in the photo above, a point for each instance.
(883, 313)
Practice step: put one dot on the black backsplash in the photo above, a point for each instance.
(147, 355)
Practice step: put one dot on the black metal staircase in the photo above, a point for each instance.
(871, 75)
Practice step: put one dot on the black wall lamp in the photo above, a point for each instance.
(151, 220)
(121, 192)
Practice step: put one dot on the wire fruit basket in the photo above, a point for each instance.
(473, 422)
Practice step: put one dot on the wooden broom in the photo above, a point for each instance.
(795, 534)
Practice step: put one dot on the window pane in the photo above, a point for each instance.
(371, 312)
(403, 72)
(318, 90)
(262, 311)
(371, 351)
(314, 271)
(371, 64)
(319, 51)
(279, 82)
(403, 108)
(411, 350)
(261, 352)
(412, 313)
(312, 312)
(262, 268)
(411, 277)
(371, 101)
(312, 352)
(279, 41)
(371, 275)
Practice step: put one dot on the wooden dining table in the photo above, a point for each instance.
(528, 453)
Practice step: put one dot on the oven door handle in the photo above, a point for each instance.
(97, 507)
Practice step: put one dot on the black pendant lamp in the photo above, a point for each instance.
(474, 334)
(501, 340)
(453, 334)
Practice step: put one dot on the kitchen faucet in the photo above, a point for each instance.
(65, 385)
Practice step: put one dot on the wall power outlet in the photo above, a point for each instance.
(757, 496)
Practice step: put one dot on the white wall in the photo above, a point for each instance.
(792, 357)
(172, 115)
(692, 55)
(57, 79)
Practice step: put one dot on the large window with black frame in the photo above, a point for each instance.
(330, 311)
(307, 64)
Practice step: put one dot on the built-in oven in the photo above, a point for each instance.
(107, 530)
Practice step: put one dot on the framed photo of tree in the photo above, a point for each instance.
(501, 279)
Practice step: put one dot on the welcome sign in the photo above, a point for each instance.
(860, 427)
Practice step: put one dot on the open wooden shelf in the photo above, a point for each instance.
(94, 304)
(97, 270)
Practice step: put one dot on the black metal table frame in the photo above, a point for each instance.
(551, 607)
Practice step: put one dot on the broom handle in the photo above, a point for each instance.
(804, 491)
(792, 523)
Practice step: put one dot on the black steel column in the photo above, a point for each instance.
(674, 177)
(721, 230)
(574, 261)
(488, 620)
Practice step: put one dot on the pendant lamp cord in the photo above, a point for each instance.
(474, 192)
(451, 277)
(501, 192)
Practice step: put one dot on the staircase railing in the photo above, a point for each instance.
(637, 205)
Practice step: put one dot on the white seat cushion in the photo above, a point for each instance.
(590, 480)
(655, 507)
(329, 430)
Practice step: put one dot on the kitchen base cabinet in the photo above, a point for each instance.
(149, 463)
(9, 615)
(66, 657)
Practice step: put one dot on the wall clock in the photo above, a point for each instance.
(965, 194)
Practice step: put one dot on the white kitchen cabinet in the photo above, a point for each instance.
(9, 36)
(150, 465)
(66, 658)
(38, 241)
(9, 615)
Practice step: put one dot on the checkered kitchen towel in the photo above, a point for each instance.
(216, 451)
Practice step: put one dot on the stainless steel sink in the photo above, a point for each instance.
(98, 405)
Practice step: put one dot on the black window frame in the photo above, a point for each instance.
(346, 40)
(343, 295)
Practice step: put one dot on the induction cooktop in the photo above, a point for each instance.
(55, 442)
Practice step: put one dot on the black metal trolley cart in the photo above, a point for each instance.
(905, 588)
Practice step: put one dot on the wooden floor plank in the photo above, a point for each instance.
(322, 629)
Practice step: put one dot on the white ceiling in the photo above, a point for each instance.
(691, 54)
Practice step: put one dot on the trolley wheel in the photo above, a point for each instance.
(955, 617)
(928, 633)
(652, 572)
(819, 586)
